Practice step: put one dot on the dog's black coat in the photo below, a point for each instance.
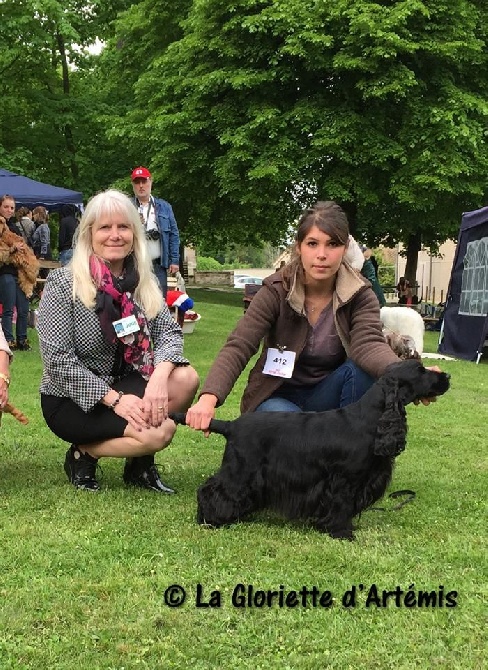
(324, 467)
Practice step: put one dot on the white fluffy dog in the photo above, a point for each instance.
(405, 321)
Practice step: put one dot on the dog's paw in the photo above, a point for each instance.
(212, 526)
(343, 534)
(202, 521)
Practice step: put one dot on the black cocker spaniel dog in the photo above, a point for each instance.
(322, 467)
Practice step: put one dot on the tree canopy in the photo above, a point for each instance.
(260, 107)
(248, 110)
(48, 129)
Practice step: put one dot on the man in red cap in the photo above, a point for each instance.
(162, 235)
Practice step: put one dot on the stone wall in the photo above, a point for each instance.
(222, 278)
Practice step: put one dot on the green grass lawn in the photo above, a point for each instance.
(84, 576)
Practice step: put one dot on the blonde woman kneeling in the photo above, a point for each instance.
(112, 353)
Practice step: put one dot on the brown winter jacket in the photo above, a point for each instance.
(276, 315)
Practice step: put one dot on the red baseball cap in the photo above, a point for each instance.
(140, 173)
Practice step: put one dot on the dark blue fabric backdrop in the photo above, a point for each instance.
(463, 335)
(31, 193)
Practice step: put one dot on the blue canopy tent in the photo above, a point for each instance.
(465, 327)
(30, 193)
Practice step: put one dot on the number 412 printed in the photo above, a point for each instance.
(279, 363)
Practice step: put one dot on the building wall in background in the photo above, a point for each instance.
(433, 273)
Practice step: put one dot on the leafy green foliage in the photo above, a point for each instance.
(206, 264)
(261, 107)
(47, 118)
(247, 111)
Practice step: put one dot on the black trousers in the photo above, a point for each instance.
(69, 422)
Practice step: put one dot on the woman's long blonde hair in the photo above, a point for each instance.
(148, 292)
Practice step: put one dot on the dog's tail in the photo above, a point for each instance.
(216, 425)
(220, 427)
(178, 417)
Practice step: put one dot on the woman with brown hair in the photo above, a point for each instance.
(25, 224)
(11, 294)
(41, 238)
(319, 321)
(404, 291)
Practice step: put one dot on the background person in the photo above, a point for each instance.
(404, 291)
(68, 223)
(320, 323)
(21, 256)
(41, 238)
(369, 271)
(107, 393)
(11, 295)
(161, 229)
(25, 224)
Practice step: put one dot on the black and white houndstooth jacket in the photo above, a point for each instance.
(78, 362)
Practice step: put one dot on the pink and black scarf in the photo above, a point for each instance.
(115, 301)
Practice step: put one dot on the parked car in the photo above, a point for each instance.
(237, 277)
(242, 281)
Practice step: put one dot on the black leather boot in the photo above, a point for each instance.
(142, 471)
(81, 469)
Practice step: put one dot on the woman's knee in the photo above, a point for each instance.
(277, 404)
(192, 379)
(184, 382)
(353, 369)
(356, 383)
(156, 439)
(186, 375)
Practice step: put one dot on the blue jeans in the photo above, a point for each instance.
(65, 256)
(12, 296)
(347, 384)
(162, 275)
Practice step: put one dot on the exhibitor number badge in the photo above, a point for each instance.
(279, 363)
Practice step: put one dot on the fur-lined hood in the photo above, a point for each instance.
(348, 283)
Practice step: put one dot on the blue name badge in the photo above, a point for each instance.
(125, 326)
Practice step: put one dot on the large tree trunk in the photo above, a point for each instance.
(413, 247)
(68, 133)
(351, 210)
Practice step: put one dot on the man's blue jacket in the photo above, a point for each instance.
(169, 234)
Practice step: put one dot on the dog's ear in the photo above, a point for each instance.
(391, 431)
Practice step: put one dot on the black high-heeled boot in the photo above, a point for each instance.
(143, 472)
(81, 469)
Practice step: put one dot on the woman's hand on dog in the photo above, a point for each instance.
(201, 413)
